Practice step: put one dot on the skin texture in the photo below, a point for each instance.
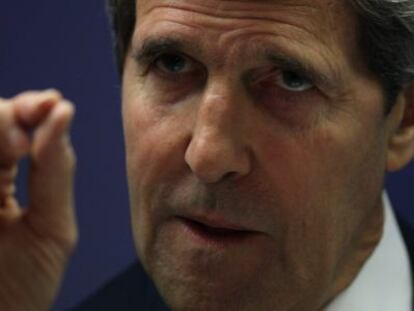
(36, 242)
(255, 116)
(223, 139)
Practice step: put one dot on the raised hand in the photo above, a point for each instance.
(36, 242)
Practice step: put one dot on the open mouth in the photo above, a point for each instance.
(215, 235)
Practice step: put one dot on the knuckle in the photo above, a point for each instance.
(66, 240)
(9, 151)
(34, 96)
(69, 240)
(24, 95)
(13, 144)
(5, 110)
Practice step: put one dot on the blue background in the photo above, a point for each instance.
(67, 45)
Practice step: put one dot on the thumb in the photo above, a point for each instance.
(51, 209)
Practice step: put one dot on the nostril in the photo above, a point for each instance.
(214, 154)
(230, 176)
(213, 161)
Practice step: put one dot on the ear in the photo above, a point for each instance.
(401, 135)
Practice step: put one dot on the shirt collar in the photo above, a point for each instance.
(384, 282)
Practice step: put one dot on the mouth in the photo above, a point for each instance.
(214, 234)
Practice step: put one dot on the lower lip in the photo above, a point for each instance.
(205, 236)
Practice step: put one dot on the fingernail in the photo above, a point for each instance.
(53, 92)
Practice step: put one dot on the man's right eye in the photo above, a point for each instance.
(171, 63)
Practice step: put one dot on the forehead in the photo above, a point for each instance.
(315, 17)
(321, 29)
(245, 8)
(215, 3)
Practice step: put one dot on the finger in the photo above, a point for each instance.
(10, 212)
(14, 143)
(52, 157)
(33, 107)
(51, 173)
(19, 114)
(7, 178)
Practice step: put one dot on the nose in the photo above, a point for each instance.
(218, 148)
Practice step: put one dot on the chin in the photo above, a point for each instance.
(190, 291)
(184, 288)
(186, 297)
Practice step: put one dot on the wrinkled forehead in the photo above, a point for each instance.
(326, 15)
(324, 20)
(324, 30)
(216, 3)
(228, 5)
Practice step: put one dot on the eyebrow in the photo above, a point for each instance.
(302, 68)
(152, 47)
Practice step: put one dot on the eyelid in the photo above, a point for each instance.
(328, 88)
(328, 79)
(151, 56)
(148, 57)
(275, 72)
(307, 84)
(190, 63)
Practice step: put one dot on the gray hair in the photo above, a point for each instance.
(386, 34)
(387, 42)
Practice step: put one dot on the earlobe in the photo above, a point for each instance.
(401, 139)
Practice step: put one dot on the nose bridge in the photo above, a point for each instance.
(217, 147)
(219, 116)
(218, 110)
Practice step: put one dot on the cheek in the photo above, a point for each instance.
(151, 152)
(156, 139)
(329, 157)
(154, 132)
(146, 146)
(322, 180)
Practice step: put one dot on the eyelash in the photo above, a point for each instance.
(149, 62)
(283, 94)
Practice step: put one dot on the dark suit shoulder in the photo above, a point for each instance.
(130, 290)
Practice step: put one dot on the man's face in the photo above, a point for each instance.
(256, 148)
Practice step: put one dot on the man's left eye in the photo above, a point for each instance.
(173, 64)
(294, 82)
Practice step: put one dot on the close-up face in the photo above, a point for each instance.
(256, 144)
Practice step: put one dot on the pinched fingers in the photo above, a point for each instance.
(53, 159)
(51, 138)
(18, 117)
(14, 143)
(51, 176)
(36, 123)
(32, 107)
(36, 242)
